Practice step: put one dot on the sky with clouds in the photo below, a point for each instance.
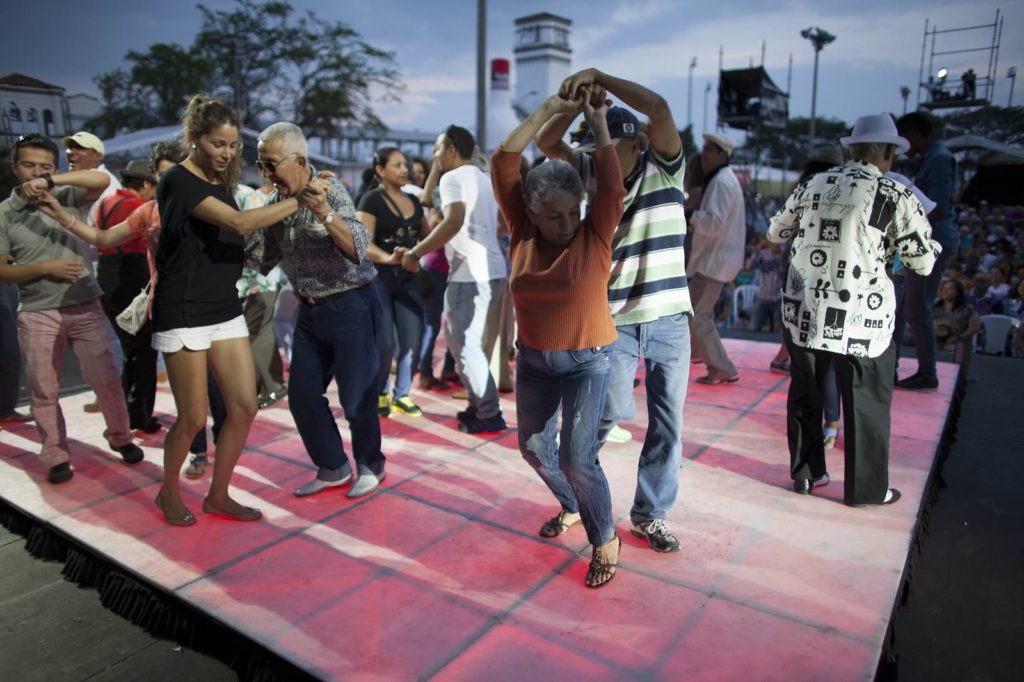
(877, 50)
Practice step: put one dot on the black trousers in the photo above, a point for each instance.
(122, 277)
(866, 388)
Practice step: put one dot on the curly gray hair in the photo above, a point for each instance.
(548, 178)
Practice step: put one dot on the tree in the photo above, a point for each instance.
(263, 62)
(789, 147)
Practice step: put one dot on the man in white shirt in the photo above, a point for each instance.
(477, 272)
(716, 254)
(85, 152)
(838, 309)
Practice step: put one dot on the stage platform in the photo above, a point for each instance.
(441, 574)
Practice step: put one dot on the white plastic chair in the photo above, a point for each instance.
(742, 300)
(995, 332)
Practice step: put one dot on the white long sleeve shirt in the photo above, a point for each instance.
(719, 229)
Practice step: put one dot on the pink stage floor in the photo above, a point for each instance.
(441, 574)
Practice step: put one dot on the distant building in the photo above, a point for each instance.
(543, 59)
(82, 107)
(29, 105)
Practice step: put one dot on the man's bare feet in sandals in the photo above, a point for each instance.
(604, 563)
(228, 507)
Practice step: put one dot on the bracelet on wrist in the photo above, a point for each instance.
(70, 223)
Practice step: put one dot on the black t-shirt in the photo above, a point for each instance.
(197, 263)
(392, 230)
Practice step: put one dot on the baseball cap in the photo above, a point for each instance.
(622, 125)
(85, 140)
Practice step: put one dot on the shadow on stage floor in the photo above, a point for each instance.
(441, 573)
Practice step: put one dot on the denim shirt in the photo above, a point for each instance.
(936, 177)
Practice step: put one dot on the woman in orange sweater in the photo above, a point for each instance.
(559, 285)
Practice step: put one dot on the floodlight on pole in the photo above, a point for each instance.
(1011, 73)
(819, 38)
(689, 94)
(904, 93)
(707, 91)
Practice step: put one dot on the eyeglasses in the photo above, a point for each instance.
(270, 167)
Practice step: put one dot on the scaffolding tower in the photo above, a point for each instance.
(971, 88)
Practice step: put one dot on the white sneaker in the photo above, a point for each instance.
(617, 434)
(317, 485)
(364, 485)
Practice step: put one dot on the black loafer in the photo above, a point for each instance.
(802, 486)
(130, 452)
(60, 473)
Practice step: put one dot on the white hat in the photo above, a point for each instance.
(84, 140)
(721, 140)
(878, 128)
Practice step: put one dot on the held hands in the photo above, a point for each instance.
(32, 190)
(570, 86)
(314, 196)
(408, 259)
(49, 205)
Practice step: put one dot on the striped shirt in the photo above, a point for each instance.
(648, 275)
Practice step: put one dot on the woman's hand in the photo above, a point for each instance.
(314, 197)
(49, 205)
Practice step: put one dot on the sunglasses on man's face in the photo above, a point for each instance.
(270, 167)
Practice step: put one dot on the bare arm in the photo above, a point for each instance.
(376, 254)
(663, 133)
(454, 215)
(215, 211)
(114, 236)
(517, 140)
(93, 182)
(66, 269)
(434, 177)
(550, 138)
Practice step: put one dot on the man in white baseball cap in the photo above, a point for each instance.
(85, 152)
(719, 232)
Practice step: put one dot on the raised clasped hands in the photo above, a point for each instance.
(314, 195)
(581, 79)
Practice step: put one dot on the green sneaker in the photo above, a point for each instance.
(383, 405)
(405, 405)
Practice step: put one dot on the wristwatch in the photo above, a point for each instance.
(410, 254)
(327, 219)
(49, 180)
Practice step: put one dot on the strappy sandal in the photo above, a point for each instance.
(556, 525)
(196, 466)
(601, 572)
(244, 514)
(187, 518)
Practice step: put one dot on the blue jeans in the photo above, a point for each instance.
(914, 307)
(433, 306)
(664, 346)
(466, 307)
(401, 317)
(338, 339)
(578, 381)
(10, 352)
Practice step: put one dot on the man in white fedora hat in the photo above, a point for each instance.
(838, 303)
(719, 232)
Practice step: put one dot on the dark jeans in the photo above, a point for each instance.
(866, 388)
(401, 320)
(122, 277)
(433, 306)
(338, 339)
(10, 353)
(914, 307)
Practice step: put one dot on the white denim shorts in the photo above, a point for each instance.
(199, 338)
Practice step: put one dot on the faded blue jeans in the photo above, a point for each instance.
(401, 321)
(578, 381)
(466, 308)
(664, 346)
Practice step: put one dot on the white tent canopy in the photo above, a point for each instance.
(999, 154)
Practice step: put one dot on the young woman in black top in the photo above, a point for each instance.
(395, 219)
(197, 315)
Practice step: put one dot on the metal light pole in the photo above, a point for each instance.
(819, 38)
(904, 93)
(707, 91)
(689, 95)
(481, 73)
(1011, 73)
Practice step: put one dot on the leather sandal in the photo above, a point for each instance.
(601, 572)
(556, 525)
(244, 514)
(187, 518)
